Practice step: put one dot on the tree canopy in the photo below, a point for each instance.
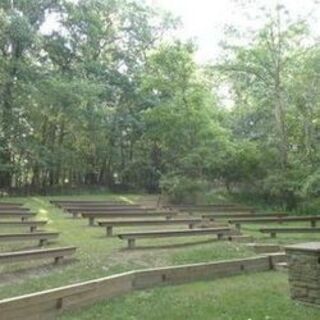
(111, 98)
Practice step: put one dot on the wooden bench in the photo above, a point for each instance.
(22, 215)
(31, 224)
(132, 236)
(216, 209)
(214, 216)
(93, 215)
(57, 253)
(279, 219)
(109, 225)
(14, 204)
(273, 231)
(110, 209)
(14, 209)
(43, 237)
(85, 203)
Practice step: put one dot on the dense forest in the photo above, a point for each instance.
(110, 97)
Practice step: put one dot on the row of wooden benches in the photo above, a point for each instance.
(16, 210)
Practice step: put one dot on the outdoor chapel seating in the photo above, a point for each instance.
(274, 231)
(96, 215)
(42, 237)
(132, 236)
(211, 208)
(215, 216)
(33, 225)
(279, 219)
(109, 225)
(56, 253)
(13, 210)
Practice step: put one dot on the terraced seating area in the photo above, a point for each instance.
(274, 231)
(276, 219)
(131, 237)
(12, 211)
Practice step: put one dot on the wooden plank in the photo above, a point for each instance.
(112, 209)
(173, 233)
(213, 216)
(22, 215)
(25, 223)
(92, 215)
(10, 257)
(273, 231)
(41, 236)
(14, 209)
(109, 225)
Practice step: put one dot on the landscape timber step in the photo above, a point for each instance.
(273, 231)
(92, 215)
(109, 225)
(240, 238)
(278, 219)
(22, 215)
(132, 236)
(265, 247)
(43, 237)
(28, 223)
(239, 216)
(57, 253)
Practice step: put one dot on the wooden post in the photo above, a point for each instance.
(220, 236)
(273, 235)
(57, 260)
(313, 223)
(42, 242)
(91, 221)
(131, 243)
(33, 228)
(238, 226)
(109, 231)
(190, 225)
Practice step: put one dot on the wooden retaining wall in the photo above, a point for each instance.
(46, 305)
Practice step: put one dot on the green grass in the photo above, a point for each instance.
(249, 297)
(263, 296)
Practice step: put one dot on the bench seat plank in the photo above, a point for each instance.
(243, 215)
(21, 215)
(43, 237)
(132, 236)
(92, 216)
(32, 224)
(56, 253)
(273, 231)
(113, 223)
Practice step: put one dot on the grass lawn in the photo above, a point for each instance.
(262, 296)
(250, 297)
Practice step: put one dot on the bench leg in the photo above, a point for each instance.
(131, 243)
(190, 225)
(273, 235)
(220, 236)
(42, 242)
(57, 260)
(91, 222)
(238, 226)
(109, 231)
(313, 223)
(168, 217)
(33, 228)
